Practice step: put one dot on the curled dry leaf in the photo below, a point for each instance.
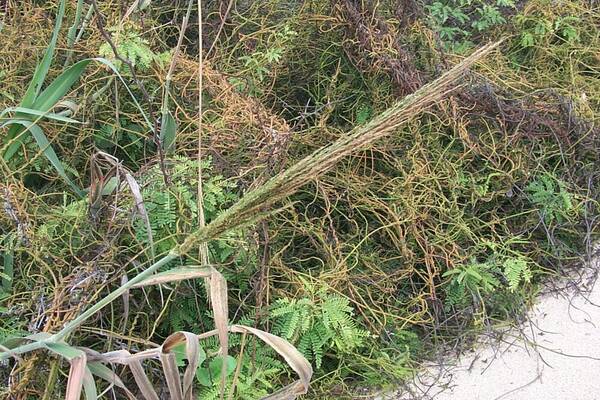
(184, 390)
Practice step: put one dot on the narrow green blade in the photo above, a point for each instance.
(22, 111)
(64, 350)
(168, 132)
(13, 133)
(8, 268)
(89, 385)
(44, 145)
(41, 70)
(59, 87)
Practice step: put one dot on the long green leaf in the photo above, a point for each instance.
(59, 87)
(71, 34)
(46, 147)
(89, 386)
(13, 135)
(41, 70)
(107, 374)
(22, 111)
(64, 350)
(7, 272)
(52, 95)
(39, 76)
(168, 132)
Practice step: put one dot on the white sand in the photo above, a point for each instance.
(558, 359)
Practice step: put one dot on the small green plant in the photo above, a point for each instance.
(318, 323)
(66, 228)
(173, 210)
(504, 269)
(37, 104)
(184, 315)
(514, 265)
(126, 137)
(257, 376)
(537, 29)
(456, 21)
(259, 64)
(363, 113)
(132, 47)
(10, 325)
(551, 198)
(475, 279)
(516, 270)
(209, 368)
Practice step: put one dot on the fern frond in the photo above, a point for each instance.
(516, 270)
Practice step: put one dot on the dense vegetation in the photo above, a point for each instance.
(158, 150)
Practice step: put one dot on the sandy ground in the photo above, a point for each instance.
(555, 356)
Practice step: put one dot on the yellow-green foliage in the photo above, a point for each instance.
(131, 46)
(173, 209)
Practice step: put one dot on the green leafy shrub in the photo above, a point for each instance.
(132, 47)
(258, 65)
(319, 323)
(475, 279)
(458, 21)
(173, 210)
(552, 199)
(258, 370)
(538, 29)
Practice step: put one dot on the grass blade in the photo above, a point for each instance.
(46, 148)
(292, 356)
(76, 378)
(139, 204)
(89, 386)
(142, 380)
(171, 375)
(60, 86)
(79, 375)
(44, 103)
(103, 372)
(22, 111)
(42, 68)
(192, 353)
(8, 268)
(64, 350)
(168, 132)
(174, 275)
(14, 133)
(218, 298)
(71, 34)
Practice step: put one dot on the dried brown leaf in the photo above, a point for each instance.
(76, 377)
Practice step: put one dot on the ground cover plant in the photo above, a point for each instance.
(233, 199)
